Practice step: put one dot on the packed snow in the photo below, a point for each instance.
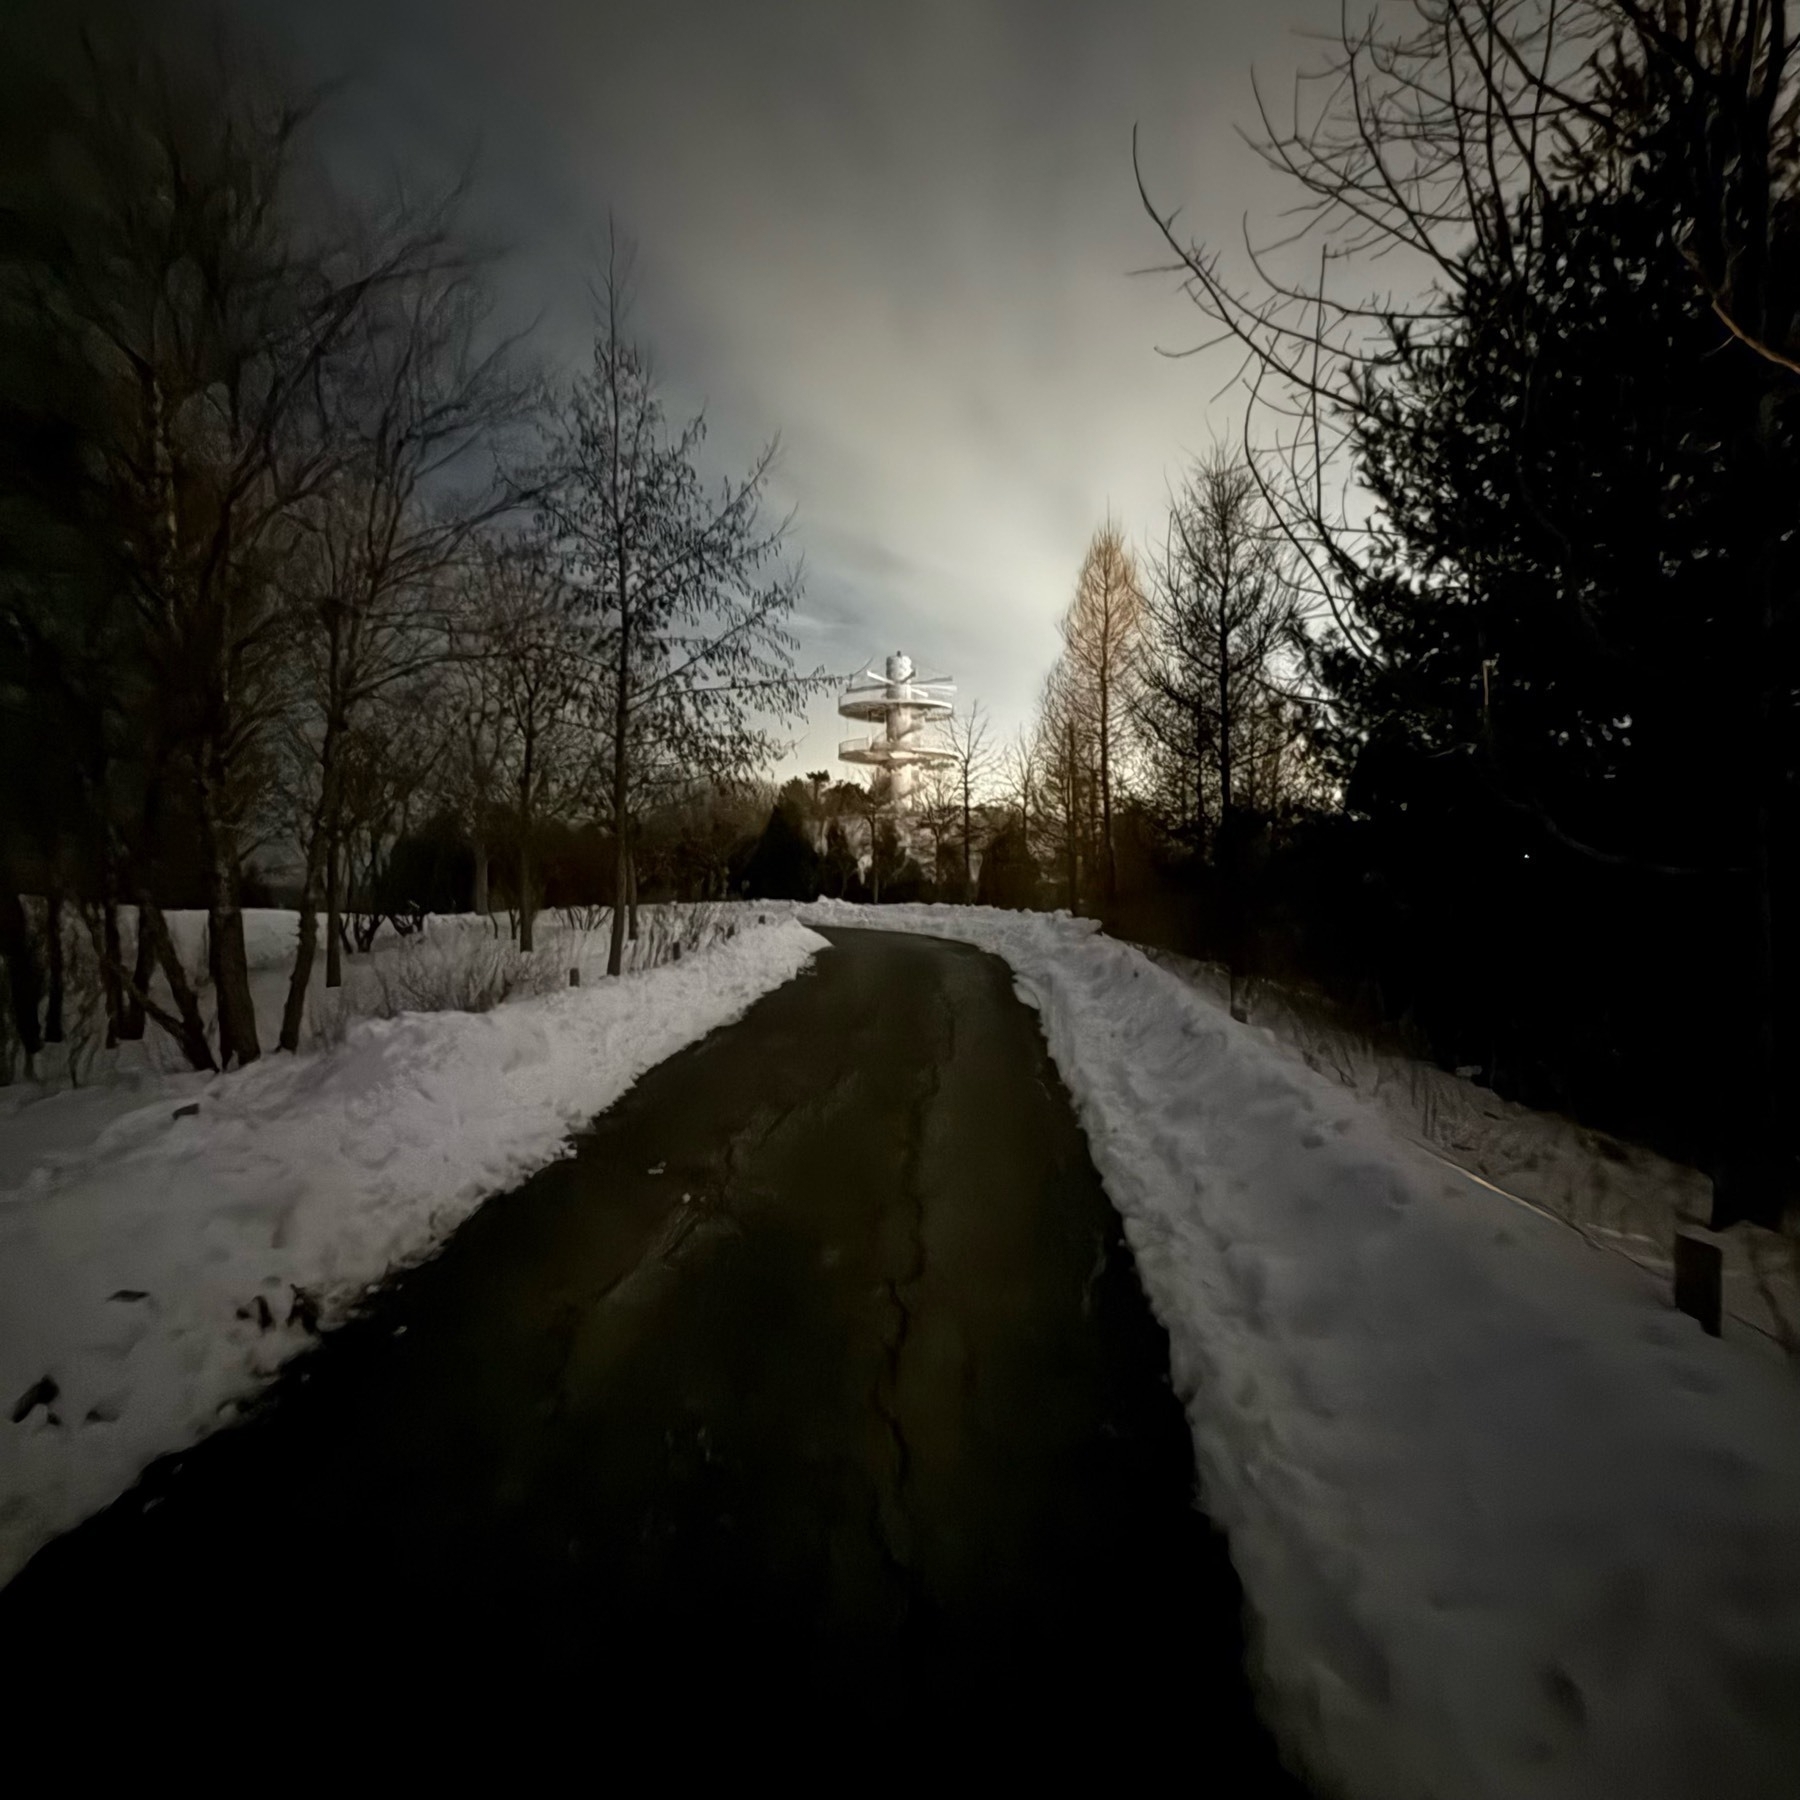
(1507, 1524)
(168, 1239)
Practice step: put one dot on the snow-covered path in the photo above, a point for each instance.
(1507, 1524)
(159, 1264)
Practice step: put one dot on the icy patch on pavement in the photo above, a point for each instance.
(1507, 1524)
(138, 1268)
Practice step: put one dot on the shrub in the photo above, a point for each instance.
(466, 972)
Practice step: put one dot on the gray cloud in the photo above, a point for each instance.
(898, 234)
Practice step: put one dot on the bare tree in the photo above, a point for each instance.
(476, 699)
(386, 784)
(934, 814)
(684, 597)
(535, 647)
(873, 804)
(1066, 780)
(1101, 635)
(1426, 129)
(197, 296)
(1020, 767)
(413, 405)
(1222, 611)
(202, 305)
(972, 767)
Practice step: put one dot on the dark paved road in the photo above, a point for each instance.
(814, 1400)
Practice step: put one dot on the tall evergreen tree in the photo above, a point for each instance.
(1575, 507)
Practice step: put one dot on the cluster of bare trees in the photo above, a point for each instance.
(1171, 704)
(296, 550)
(952, 813)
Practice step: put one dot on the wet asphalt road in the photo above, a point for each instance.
(813, 1401)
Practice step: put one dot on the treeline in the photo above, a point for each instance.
(846, 841)
(1172, 750)
(1526, 779)
(304, 565)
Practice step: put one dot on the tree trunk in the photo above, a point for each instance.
(968, 859)
(1110, 871)
(481, 875)
(123, 871)
(21, 971)
(1094, 837)
(527, 826)
(621, 788)
(306, 944)
(53, 962)
(321, 846)
(143, 966)
(305, 948)
(225, 936)
(1224, 727)
(1199, 782)
(230, 965)
(188, 1028)
(631, 929)
(615, 944)
(334, 917)
(112, 955)
(1071, 822)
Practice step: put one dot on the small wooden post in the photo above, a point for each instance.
(1699, 1279)
(574, 978)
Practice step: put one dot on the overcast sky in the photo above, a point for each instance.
(900, 235)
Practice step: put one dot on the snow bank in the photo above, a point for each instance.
(136, 1258)
(396, 975)
(1626, 1197)
(1507, 1525)
(270, 936)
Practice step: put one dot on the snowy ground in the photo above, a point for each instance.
(447, 965)
(164, 1234)
(1621, 1196)
(1507, 1524)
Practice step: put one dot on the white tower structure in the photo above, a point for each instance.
(908, 708)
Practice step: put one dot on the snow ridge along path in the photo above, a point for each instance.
(1507, 1524)
(154, 1279)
